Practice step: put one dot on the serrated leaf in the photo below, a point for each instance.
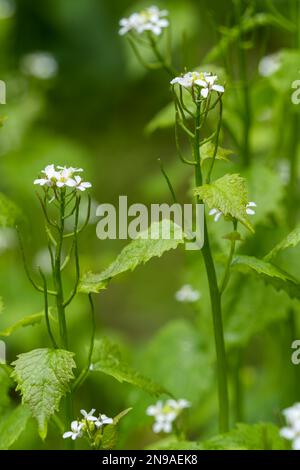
(107, 358)
(43, 377)
(110, 433)
(208, 150)
(262, 436)
(290, 241)
(139, 251)
(12, 425)
(269, 273)
(9, 213)
(30, 320)
(229, 195)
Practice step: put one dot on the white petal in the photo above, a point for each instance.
(218, 216)
(67, 434)
(157, 427)
(213, 211)
(287, 433)
(218, 88)
(204, 92)
(250, 211)
(296, 444)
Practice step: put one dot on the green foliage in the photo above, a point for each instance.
(229, 195)
(109, 437)
(290, 241)
(9, 213)
(43, 377)
(107, 358)
(208, 149)
(12, 425)
(171, 443)
(139, 251)
(30, 320)
(262, 436)
(269, 273)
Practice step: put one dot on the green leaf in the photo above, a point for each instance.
(208, 150)
(269, 273)
(139, 251)
(107, 358)
(12, 425)
(30, 320)
(43, 377)
(233, 236)
(9, 213)
(162, 120)
(262, 436)
(110, 434)
(229, 195)
(290, 241)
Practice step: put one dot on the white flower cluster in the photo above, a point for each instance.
(61, 177)
(151, 19)
(88, 423)
(206, 81)
(41, 65)
(292, 431)
(218, 214)
(166, 413)
(187, 294)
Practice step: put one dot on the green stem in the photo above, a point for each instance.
(57, 277)
(165, 65)
(82, 376)
(216, 144)
(246, 115)
(47, 310)
(214, 296)
(226, 276)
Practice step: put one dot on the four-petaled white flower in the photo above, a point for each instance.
(90, 415)
(62, 177)
(187, 294)
(206, 81)
(292, 431)
(76, 431)
(217, 214)
(151, 19)
(166, 413)
(102, 420)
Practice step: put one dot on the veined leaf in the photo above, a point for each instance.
(30, 320)
(228, 194)
(269, 273)
(43, 377)
(9, 212)
(208, 149)
(262, 436)
(290, 241)
(159, 238)
(12, 425)
(107, 358)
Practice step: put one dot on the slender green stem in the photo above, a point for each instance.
(214, 295)
(226, 276)
(84, 373)
(165, 65)
(246, 115)
(57, 277)
(77, 266)
(216, 144)
(46, 306)
(168, 181)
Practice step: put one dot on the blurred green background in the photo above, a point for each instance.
(87, 103)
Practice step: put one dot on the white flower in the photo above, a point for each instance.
(249, 209)
(269, 65)
(89, 416)
(187, 294)
(81, 185)
(102, 420)
(166, 413)
(41, 65)
(61, 177)
(206, 81)
(292, 431)
(187, 80)
(75, 432)
(151, 19)
(217, 213)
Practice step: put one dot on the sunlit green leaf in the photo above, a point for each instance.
(30, 320)
(12, 425)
